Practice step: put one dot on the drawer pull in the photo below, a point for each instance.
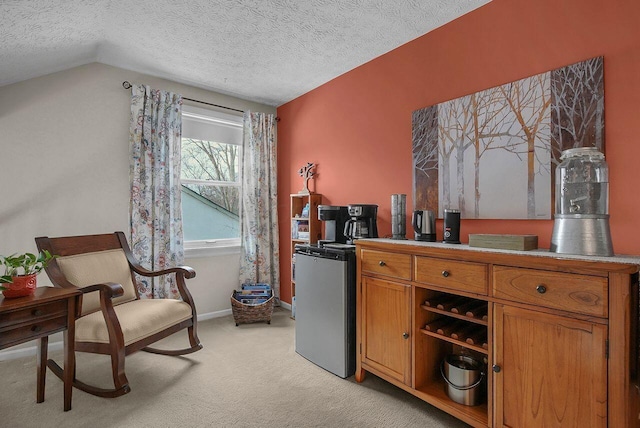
(37, 312)
(405, 335)
(496, 368)
(382, 263)
(36, 328)
(445, 273)
(541, 289)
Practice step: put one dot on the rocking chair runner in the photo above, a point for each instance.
(111, 318)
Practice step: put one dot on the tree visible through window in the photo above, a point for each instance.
(210, 176)
(207, 160)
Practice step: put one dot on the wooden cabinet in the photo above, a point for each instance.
(305, 226)
(549, 370)
(386, 345)
(557, 335)
(563, 383)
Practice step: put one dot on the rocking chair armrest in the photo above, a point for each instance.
(186, 271)
(110, 289)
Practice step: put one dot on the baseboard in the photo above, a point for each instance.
(30, 351)
(216, 314)
(285, 305)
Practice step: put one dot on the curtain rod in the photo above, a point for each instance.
(128, 85)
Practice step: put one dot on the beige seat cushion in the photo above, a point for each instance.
(138, 319)
(97, 268)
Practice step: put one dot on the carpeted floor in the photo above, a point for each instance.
(246, 376)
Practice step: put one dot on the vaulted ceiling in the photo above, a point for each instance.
(268, 51)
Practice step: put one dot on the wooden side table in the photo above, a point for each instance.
(48, 311)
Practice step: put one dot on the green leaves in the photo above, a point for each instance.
(23, 264)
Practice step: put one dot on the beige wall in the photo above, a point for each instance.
(64, 164)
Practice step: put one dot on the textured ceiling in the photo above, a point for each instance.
(268, 51)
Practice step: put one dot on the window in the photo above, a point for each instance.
(210, 178)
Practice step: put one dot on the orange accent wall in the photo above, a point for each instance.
(357, 127)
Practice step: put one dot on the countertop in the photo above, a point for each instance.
(618, 258)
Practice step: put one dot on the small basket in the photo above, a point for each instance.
(244, 313)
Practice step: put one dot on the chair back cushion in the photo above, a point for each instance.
(96, 268)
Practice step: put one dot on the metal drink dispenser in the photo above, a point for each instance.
(581, 221)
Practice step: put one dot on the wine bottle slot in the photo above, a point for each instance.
(434, 300)
(479, 311)
(463, 307)
(478, 338)
(466, 330)
(436, 324)
(450, 327)
(453, 301)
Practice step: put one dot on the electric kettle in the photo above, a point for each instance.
(424, 224)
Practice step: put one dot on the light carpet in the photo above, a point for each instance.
(246, 376)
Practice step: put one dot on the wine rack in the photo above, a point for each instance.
(459, 320)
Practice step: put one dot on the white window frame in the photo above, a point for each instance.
(222, 246)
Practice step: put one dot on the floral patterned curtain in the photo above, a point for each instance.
(156, 217)
(259, 256)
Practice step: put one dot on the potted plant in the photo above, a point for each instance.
(20, 273)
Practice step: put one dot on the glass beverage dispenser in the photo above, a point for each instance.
(581, 224)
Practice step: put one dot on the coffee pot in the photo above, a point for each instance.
(424, 225)
(363, 222)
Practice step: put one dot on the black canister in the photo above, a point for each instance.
(451, 226)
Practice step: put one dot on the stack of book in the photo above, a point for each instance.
(253, 294)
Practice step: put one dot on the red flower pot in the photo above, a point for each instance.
(24, 285)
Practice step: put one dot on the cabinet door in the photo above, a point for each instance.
(386, 320)
(549, 371)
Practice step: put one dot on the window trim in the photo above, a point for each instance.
(210, 182)
(221, 246)
(211, 247)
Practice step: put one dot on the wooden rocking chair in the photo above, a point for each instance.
(111, 318)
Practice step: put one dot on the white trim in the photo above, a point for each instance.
(285, 305)
(211, 119)
(211, 248)
(209, 115)
(12, 354)
(216, 314)
(210, 182)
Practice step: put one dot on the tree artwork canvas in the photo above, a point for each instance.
(492, 154)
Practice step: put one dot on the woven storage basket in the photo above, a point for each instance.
(244, 314)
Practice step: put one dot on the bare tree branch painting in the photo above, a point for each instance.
(529, 101)
(516, 132)
(425, 158)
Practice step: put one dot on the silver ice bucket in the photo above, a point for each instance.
(463, 376)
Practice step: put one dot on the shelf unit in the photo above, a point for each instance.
(299, 223)
(448, 323)
(469, 330)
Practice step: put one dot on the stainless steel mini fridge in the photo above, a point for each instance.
(325, 306)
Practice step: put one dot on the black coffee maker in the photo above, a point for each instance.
(334, 218)
(363, 222)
